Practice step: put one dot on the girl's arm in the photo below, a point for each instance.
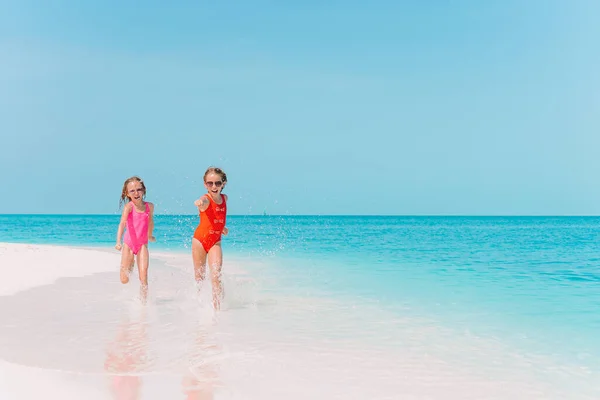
(202, 203)
(124, 215)
(151, 223)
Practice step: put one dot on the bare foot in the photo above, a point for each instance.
(216, 302)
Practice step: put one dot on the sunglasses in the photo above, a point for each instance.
(217, 183)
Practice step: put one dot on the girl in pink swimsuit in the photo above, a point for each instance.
(137, 218)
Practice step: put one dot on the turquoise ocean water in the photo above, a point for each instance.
(528, 284)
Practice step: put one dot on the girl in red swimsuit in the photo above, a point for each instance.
(206, 242)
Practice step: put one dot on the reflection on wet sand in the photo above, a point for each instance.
(126, 357)
(202, 379)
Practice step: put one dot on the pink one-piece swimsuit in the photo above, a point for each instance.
(136, 233)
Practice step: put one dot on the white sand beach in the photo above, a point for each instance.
(23, 267)
(70, 330)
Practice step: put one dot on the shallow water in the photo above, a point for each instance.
(333, 307)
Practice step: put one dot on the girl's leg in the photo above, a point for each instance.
(126, 263)
(215, 263)
(142, 262)
(199, 257)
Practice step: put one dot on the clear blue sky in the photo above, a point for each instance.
(322, 107)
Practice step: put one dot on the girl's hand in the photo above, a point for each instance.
(118, 246)
(152, 239)
(202, 203)
(225, 231)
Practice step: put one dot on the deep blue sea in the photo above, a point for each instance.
(531, 284)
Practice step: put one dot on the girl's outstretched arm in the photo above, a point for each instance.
(202, 203)
(151, 223)
(124, 215)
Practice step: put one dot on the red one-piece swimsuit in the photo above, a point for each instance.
(212, 222)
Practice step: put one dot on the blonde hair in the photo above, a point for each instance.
(217, 171)
(124, 198)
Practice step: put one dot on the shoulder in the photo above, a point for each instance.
(150, 206)
(225, 197)
(127, 208)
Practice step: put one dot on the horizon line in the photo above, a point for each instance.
(328, 215)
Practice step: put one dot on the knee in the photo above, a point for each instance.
(124, 275)
(216, 273)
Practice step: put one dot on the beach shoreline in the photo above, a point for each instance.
(70, 324)
(21, 271)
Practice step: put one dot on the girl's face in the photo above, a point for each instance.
(135, 192)
(214, 183)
